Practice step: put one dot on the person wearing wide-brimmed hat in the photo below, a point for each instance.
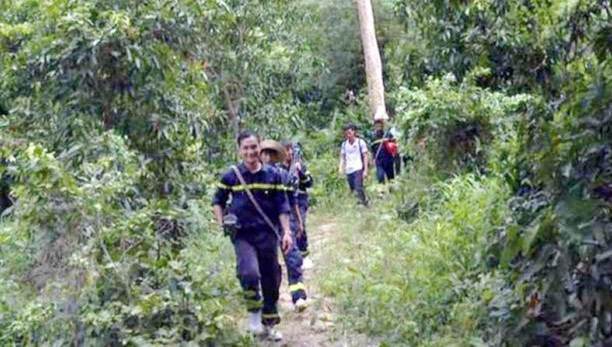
(274, 153)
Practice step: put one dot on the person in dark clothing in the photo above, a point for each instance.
(383, 159)
(273, 153)
(256, 238)
(298, 169)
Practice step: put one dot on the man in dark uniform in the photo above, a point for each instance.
(383, 160)
(298, 169)
(256, 239)
(273, 153)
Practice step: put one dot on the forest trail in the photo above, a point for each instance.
(317, 326)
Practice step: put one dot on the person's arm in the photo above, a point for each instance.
(298, 215)
(305, 177)
(218, 210)
(341, 164)
(286, 241)
(282, 204)
(220, 200)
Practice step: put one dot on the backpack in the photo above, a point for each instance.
(391, 147)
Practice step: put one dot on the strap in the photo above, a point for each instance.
(254, 202)
(381, 144)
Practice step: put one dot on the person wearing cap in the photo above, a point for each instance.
(298, 169)
(383, 159)
(354, 162)
(256, 237)
(273, 153)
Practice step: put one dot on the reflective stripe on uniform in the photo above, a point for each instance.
(255, 186)
(297, 286)
(253, 304)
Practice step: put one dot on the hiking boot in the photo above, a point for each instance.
(255, 326)
(273, 334)
(300, 305)
(307, 264)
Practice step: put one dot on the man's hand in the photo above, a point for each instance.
(300, 230)
(298, 167)
(365, 173)
(341, 171)
(286, 242)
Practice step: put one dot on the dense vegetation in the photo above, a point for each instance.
(116, 116)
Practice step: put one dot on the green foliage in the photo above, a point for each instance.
(87, 258)
(451, 126)
(421, 282)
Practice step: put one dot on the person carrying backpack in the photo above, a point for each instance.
(384, 148)
(354, 162)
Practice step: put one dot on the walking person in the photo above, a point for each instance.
(296, 166)
(258, 205)
(354, 162)
(273, 153)
(385, 152)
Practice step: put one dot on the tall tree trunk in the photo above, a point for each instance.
(373, 65)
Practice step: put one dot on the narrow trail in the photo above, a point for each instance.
(315, 327)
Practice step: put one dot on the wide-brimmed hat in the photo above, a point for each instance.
(278, 152)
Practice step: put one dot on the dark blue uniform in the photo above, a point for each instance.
(293, 259)
(256, 244)
(304, 181)
(384, 161)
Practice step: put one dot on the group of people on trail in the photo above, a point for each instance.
(268, 207)
(262, 203)
(355, 159)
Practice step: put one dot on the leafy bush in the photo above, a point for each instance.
(421, 282)
(450, 126)
(87, 258)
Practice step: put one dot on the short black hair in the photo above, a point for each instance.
(245, 135)
(350, 126)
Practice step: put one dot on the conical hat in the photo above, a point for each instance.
(278, 150)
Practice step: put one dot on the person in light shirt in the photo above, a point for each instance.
(354, 162)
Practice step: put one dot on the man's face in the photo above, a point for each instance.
(249, 150)
(378, 126)
(350, 134)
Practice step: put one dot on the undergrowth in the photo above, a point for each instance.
(419, 282)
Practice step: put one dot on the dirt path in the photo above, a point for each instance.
(315, 327)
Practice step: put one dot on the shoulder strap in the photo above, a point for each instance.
(254, 202)
(381, 144)
(359, 142)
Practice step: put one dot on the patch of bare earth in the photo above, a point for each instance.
(315, 327)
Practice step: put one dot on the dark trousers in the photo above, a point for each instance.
(355, 182)
(384, 169)
(302, 240)
(257, 266)
(293, 261)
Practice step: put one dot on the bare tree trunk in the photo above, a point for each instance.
(373, 65)
(233, 112)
